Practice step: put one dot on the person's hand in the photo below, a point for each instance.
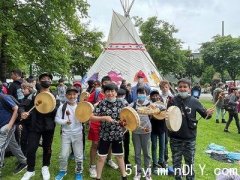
(69, 122)
(210, 111)
(108, 119)
(20, 127)
(24, 115)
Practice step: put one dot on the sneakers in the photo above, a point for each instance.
(112, 164)
(60, 175)
(137, 176)
(93, 171)
(20, 167)
(217, 121)
(223, 121)
(45, 173)
(148, 177)
(28, 175)
(226, 130)
(78, 176)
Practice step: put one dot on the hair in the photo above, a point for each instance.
(141, 90)
(60, 80)
(17, 72)
(26, 85)
(163, 83)
(97, 82)
(105, 78)
(184, 80)
(154, 92)
(121, 92)
(110, 86)
(90, 82)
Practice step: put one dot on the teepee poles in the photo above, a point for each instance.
(126, 6)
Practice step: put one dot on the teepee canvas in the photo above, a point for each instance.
(124, 55)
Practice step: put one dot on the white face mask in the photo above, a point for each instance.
(140, 80)
(98, 88)
(183, 95)
(112, 100)
(72, 101)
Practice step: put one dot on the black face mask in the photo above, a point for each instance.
(45, 84)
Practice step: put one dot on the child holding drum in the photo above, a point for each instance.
(72, 135)
(111, 134)
(183, 141)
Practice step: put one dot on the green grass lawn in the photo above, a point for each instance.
(208, 132)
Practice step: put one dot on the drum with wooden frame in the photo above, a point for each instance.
(129, 118)
(84, 111)
(45, 102)
(173, 118)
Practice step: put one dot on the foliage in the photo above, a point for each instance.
(157, 35)
(37, 32)
(86, 47)
(207, 75)
(223, 53)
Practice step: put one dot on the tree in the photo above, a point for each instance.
(157, 35)
(223, 53)
(86, 47)
(37, 32)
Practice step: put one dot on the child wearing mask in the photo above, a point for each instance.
(141, 136)
(71, 135)
(111, 133)
(157, 134)
(183, 141)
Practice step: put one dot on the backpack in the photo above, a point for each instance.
(226, 104)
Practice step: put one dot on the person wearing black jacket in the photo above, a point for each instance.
(183, 142)
(15, 87)
(42, 125)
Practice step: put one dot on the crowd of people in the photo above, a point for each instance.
(22, 131)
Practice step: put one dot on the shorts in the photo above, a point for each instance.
(94, 131)
(103, 147)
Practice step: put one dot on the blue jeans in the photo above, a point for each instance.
(158, 138)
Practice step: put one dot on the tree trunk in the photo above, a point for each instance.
(3, 58)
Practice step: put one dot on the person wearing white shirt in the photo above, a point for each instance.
(71, 135)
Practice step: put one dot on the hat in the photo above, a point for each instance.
(45, 74)
(140, 74)
(72, 88)
(77, 83)
(154, 92)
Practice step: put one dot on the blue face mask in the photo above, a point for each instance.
(141, 97)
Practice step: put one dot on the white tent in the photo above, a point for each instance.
(124, 55)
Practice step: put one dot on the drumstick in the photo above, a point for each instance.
(68, 113)
(37, 104)
(213, 107)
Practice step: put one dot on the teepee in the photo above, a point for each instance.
(124, 55)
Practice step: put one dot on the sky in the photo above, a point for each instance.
(197, 21)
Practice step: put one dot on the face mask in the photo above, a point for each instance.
(45, 84)
(140, 80)
(141, 97)
(98, 88)
(72, 101)
(183, 95)
(112, 100)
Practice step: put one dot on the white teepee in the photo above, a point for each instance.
(124, 55)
